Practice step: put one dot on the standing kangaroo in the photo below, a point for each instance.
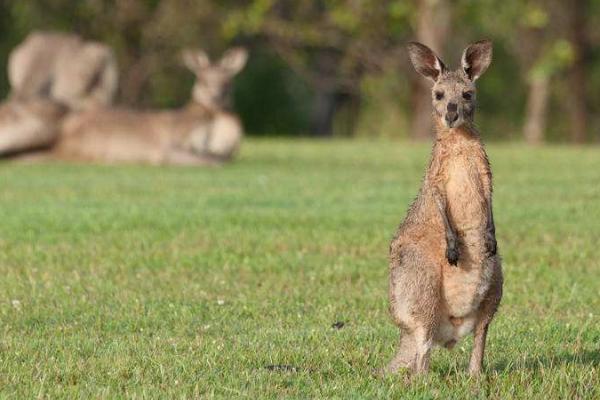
(201, 133)
(445, 274)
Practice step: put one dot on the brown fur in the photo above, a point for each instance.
(64, 68)
(432, 300)
(201, 133)
(28, 125)
(51, 74)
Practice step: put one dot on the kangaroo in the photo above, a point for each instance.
(445, 273)
(29, 125)
(64, 68)
(50, 74)
(200, 133)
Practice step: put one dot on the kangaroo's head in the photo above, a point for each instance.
(453, 92)
(213, 79)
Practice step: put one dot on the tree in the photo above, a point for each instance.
(577, 76)
(332, 44)
(551, 60)
(534, 32)
(433, 28)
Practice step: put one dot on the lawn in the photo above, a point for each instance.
(165, 282)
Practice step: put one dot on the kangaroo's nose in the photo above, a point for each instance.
(451, 114)
(451, 117)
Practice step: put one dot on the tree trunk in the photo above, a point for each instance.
(433, 27)
(577, 104)
(335, 113)
(323, 110)
(334, 106)
(537, 108)
(347, 114)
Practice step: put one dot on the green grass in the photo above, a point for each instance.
(182, 282)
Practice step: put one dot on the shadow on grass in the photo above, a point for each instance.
(591, 358)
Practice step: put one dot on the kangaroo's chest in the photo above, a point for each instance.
(467, 191)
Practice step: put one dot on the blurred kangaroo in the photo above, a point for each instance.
(202, 132)
(445, 273)
(63, 67)
(29, 125)
(50, 74)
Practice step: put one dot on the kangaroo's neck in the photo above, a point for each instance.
(200, 109)
(464, 143)
(465, 132)
(210, 103)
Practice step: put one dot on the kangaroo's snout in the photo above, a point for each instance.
(451, 113)
(451, 119)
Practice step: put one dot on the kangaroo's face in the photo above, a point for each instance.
(213, 79)
(453, 92)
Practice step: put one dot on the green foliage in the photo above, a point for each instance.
(341, 48)
(534, 16)
(162, 282)
(557, 57)
(270, 99)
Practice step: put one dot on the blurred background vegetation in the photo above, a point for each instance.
(338, 67)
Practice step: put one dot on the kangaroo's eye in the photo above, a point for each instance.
(467, 95)
(439, 95)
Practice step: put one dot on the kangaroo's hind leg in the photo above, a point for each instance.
(405, 356)
(486, 312)
(415, 282)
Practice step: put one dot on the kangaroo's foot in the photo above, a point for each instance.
(404, 358)
(423, 346)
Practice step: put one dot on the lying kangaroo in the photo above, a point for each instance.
(51, 73)
(64, 68)
(29, 125)
(200, 133)
(445, 274)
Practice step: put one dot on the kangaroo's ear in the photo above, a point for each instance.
(425, 61)
(234, 60)
(477, 58)
(195, 59)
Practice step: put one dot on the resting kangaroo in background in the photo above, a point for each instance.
(51, 74)
(29, 125)
(200, 133)
(445, 274)
(64, 68)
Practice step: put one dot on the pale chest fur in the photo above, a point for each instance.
(467, 189)
(464, 176)
(467, 184)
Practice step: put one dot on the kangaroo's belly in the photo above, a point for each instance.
(463, 289)
(452, 329)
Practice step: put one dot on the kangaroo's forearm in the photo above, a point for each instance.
(491, 226)
(490, 232)
(450, 232)
(440, 201)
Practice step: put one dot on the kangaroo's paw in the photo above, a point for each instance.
(452, 254)
(491, 246)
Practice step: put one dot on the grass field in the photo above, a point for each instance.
(181, 282)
